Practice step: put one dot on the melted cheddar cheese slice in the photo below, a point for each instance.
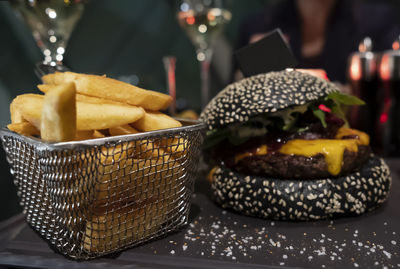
(362, 137)
(332, 149)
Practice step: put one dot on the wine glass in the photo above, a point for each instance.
(203, 21)
(51, 23)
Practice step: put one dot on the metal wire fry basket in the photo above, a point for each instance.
(91, 198)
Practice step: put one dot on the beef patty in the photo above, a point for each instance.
(280, 165)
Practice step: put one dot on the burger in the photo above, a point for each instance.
(281, 148)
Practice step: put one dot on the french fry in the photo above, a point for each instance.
(46, 87)
(103, 87)
(89, 116)
(95, 100)
(84, 135)
(89, 134)
(17, 104)
(109, 231)
(59, 78)
(174, 146)
(153, 120)
(123, 130)
(123, 192)
(80, 97)
(29, 106)
(98, 134)
(121, 178)
(145, 148)
(104, 116)
(126, 200)
(58, 117)
(23, 128)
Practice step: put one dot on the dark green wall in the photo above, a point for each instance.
(118, 38)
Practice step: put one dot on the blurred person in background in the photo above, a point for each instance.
(323, 33)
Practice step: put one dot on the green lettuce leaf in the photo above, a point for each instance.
(345, 99)
(320, 115)
(290, 116)
(215, 137)
(285, 120)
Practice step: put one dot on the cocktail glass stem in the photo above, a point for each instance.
(204, 57)
(169, 66)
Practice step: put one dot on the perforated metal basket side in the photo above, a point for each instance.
(24, 166)
(91, 198)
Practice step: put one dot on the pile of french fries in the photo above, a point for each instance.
(143, 175)
(80, 106)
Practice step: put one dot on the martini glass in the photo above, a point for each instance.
(51, 23)
(203, 21)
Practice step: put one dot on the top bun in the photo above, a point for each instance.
(263, 93)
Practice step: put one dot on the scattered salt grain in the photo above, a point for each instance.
(387, 254)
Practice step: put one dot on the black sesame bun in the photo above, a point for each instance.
(282, 150)
(293, 199)
(264, 93)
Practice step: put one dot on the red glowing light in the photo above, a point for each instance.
(396, 45)
(172, 82)
(324, 108)
(384, 68)
(383, 118)
(355, 69)
(190, 20)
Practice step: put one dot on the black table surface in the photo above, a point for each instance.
(218, 238)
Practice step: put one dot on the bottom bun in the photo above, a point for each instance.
(303, 199)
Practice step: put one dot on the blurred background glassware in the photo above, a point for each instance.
(389, 74)
(203, 21)
(51, 23)
(169, 66)
(363, 79)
